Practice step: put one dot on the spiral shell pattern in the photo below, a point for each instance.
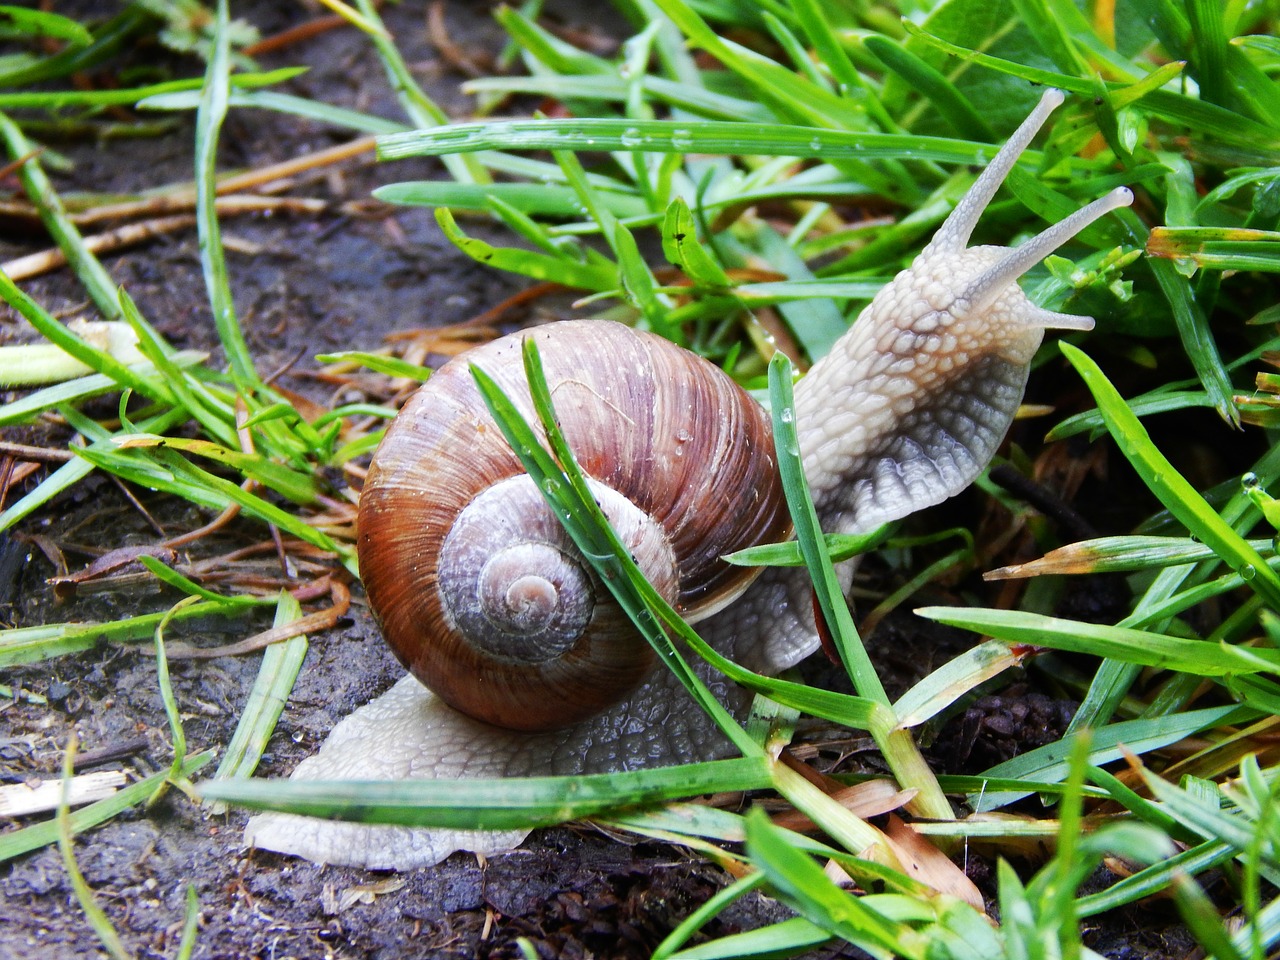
(477, 588)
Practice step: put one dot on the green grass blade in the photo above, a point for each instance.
(671, 136)
(802, 885)
(900, 750)
(209, 117)
(1119, 643)
(539, 266)
(566, 493)
(421, 109)
(267, 698)
(491, 804)
(1170, 487)
(296, 485)
(1107, 743)
(30, 644)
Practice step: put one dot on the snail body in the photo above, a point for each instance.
(905, 411)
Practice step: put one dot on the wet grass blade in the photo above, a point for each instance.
(1107, 743)
(1218, 248)
(296, 485)
(565, 490)
(128, 96)
(93, 912)
(1149, 649)
(539, 266)
(57, 333)
(26, 408)
(53, 215)
(491, 804)
(801, 883)
(267, 698)
(899, 749)
(209, 117)
(1170, 487)
(670, 136)
(30, 644)
(421, 109)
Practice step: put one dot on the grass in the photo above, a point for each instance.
(746, 141)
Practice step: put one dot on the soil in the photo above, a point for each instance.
(342, 279)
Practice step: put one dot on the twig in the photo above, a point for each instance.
(111, 753)
(311, 623)
(133, 234)
(285, 38)
(450, 51)
(23, 451)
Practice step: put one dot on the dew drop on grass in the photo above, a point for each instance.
(787, 416)
(682, 139)
(1248, 572)
(632, 137)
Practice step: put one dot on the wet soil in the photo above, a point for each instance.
(340, 279)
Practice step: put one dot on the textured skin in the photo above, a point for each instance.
(905, 411)
(937, 389)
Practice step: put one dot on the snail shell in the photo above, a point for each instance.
(477, 588)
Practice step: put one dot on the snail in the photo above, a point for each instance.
(905, 411)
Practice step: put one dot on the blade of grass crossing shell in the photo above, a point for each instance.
(632, 579)
(826, 586)
(590, 531)
(1169, 486)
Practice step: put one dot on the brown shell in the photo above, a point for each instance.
(669, 431)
